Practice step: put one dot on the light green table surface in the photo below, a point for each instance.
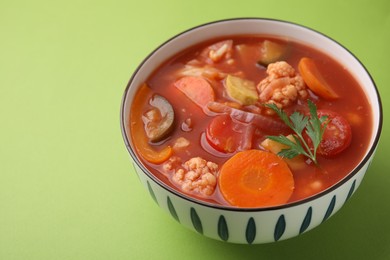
(67, 187)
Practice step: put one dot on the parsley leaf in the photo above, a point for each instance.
(313, 126)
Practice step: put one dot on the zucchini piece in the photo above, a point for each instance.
(271, 52)
(242, 90)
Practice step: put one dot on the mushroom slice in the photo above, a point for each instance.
(159, 119)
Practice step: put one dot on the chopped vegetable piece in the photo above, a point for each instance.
(271, 52)
(197, 89)
(256, 178)
(247, 54)
(218, 51)
(242, 90)
(337, 136)
(355, 119)
(276, 147)
(265, 123)
(181, 143)
(138, 132)
(206, 71)
(314, 79)
(228, 136)
(159, 120)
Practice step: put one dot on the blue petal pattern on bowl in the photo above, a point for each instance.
(172, 209)
(223, 231)
(351, 190)
(251, 227)
(196, 222)
(151, 192)
(306, 220)
(280, 228)
(135, 170)
(330, 208)
(250, 232)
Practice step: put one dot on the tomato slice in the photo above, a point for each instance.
(337, 136)
(226, 135)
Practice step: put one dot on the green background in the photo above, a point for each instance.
(67, 187)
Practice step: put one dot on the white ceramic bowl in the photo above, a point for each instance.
(252, 226)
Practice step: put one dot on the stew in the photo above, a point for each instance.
(250, 121)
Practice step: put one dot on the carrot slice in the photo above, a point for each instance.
(314, 80)
(138, 134)
(197, 89)
(255, 178)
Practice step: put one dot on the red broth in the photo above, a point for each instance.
(191, 121)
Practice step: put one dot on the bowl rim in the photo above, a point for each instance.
(188, 198)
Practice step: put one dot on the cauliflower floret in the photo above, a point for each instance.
(171, 164)
(221, 50)
(198, 175)
(280, 69)
(282, 86)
